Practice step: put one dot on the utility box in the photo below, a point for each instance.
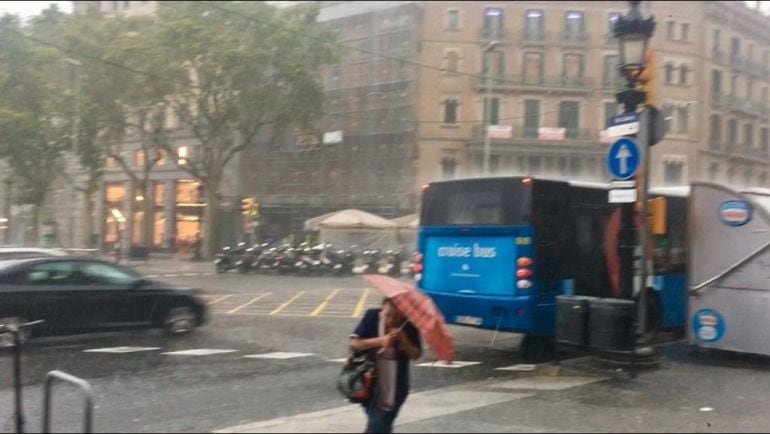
(611, 324)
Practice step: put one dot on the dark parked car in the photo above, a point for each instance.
(75, 295)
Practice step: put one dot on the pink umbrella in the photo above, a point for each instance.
(420, 310)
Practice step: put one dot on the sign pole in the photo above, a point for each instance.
(644, 139)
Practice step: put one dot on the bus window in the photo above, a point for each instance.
(493, 202)
(479, 209)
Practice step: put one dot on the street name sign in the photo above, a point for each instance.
(623, 125)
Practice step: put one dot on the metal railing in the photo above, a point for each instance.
(583, 84)
(574, 38)
(83, 385)
(493, 34)
(534, 37)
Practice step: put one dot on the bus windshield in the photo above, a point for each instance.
(487, 202)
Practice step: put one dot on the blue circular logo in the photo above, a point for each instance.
(708, 325)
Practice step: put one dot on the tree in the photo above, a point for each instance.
(122, 100)
(33, 133)
(239, 75)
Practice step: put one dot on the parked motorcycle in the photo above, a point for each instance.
(393, 262)
(249, 260)
(342, 262)
(371, 262)
(225, 260)
(308, 263)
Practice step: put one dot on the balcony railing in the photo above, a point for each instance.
(514, 82)
(745, 106)
(738, 63)
(534, 37)
(531, 135)
(492, 34)
(574, 39)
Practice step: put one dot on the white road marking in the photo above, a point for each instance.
(190, 274)
(343, 360)
(520, 367)
(121, 350)
(277, 355)
(548, 383)
(199, 352)
(350, 418)
(454, 365)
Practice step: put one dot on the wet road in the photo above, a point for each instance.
(271, 350)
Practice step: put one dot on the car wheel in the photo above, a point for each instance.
(6, 339)
(180, 320)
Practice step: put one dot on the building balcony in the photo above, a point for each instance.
(572, 39)
(546, 84)
(523, 136)
(738, 63)
(534, 38)
(745, 106)
(488, 35)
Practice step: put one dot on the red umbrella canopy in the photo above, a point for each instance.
(420, 310)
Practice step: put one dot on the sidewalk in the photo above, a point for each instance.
(712, 392)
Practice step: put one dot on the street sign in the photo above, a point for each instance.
(623, 158)
(623, 125)
(623, 195)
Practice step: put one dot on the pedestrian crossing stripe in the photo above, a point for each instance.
(121, 350)
(277, 355)
(454, 365)
(199, 352)
(520, 367)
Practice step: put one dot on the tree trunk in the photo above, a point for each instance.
(211, 217)
(148, 216)
(88, 218)
(37, 221)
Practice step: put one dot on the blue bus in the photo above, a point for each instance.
(494, 253)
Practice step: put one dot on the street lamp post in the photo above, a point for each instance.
(487, 104)
(633, 33)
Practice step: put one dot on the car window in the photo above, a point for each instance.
(50, 273)
(101, 273)
(22, 255)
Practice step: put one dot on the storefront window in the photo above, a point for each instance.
(160, 193)
(115, 193)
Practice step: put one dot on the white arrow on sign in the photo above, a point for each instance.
(623, 155)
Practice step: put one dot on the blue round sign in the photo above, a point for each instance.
(623, 158)
(708, 325)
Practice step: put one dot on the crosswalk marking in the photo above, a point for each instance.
(360, 306)
(121, 350)
(454, 365)
(349, 418)
(520, 367)
(283, 306)
(342, 360)
(253, 300)
(199, 352)
(323, 304)
(224, 297)
(277, 355)
(548, 383)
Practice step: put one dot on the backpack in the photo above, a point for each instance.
(357, 380)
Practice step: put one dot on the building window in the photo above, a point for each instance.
(493, 22)
(669, 70)
(684, 29)
(716, 83)
(763, 139)
(713, 171)
(668, 113)
(611, 75)
(184, 155)
(450, 111)
(717, 38)
(573, 66)
(750, 90)
(682, 124)
(448, 167)
(670, 29)
(161, 155)
(453, 19)
(493, 116)
(139, 158)
(493, 63)
(533, 66)
(733, 84)
(672, 173)
(715, 123)
(732, 132)
(531, 117)
(748, 136)
(569, 117)
(735, 47)
(612, 17)
(452, 60)
(684, 72)
(533, 23)
(574, 25)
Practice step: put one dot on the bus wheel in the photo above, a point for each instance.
(537, 348)
(654, 319)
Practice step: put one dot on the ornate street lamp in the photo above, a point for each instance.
(633, 32)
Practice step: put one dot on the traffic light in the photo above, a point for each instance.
(656, 208)
(647, 78)
(250, 207)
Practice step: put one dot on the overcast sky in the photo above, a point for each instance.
(27, 8)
